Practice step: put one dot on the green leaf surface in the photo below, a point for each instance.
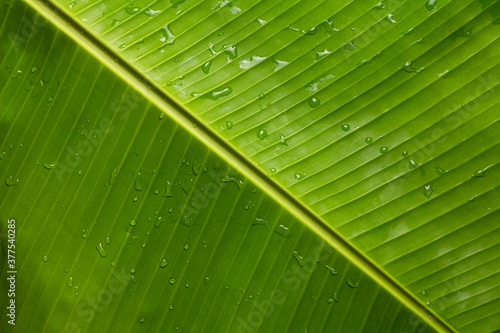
(371, 125)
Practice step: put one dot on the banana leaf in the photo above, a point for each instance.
(243, 166)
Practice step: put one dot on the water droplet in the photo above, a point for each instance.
(206, 66)
(299, 258)
(168, 190)
(351, 283)
(138, 182)
(142, 320)
(261, 22)
(186, 246)
(45, 258)
(158, 221)
(345, 127)
(171, 281)
(379, 6)
(283, 140)
(100, 248)
(384, 150)
(113, 175)
(11, 181)
(107, 240)
(150, 12)
(430, 5)
(130, 9)
(176, 3)
(404, 153)
(335, 297)
(390, 19)
(122, 46)
(171, 306)
(69, 282)
(408, 67)
(133, 279)
(163, 263)
(427, 190)
(132, 270)
(439, 170)
(216, 94)
(229, 125)
(481, 172)
(132, 223)
(299, 176)
(279, 64)
(368, 140)
(231, 52)
(261, 133)
(34, 69)
(16, 74)
(282, 230)
(314, 102)
(332, 270)
(161, 115)
(254, 60)
(166, 36)
(136, 198)
(413, 164)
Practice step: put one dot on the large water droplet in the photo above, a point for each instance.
(206, 66)
(100, 248)
(351, 283)
(314, 102)
(130, 9)
(254, 60)
(427, 190)
(166, 36)
(261, 133)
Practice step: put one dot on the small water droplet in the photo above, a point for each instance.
(335, 297)
(439, 170)
(11, 181)
(351, 283)
(427, 190)
(130, 9)
(345, 127)
(283, 140)
(206, 66)
(412, 164)
(45, 258)
(404, 153)
(133, 279)
(384, 150)
(136, 198)
(332, 270)
(69, 282)
(229, 125)
(107, 240)
(150, 12)
(481, 172)
(142, 320)
(115, 22)
(368, 140)
(282, 230)
(261, 133)
(299, 176)
(430, 5)
(186, 246)
(171, 306)
(100, 248)
(113, 175)
(299, 258)
(171, 281)
(16, 74)
(163, 263)
(138, 182)
(132, 270)
(132, 223)
(314, 102)
(279, 64)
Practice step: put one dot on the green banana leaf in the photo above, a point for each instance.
(244, 166)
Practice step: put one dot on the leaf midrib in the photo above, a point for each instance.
(60, 17)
